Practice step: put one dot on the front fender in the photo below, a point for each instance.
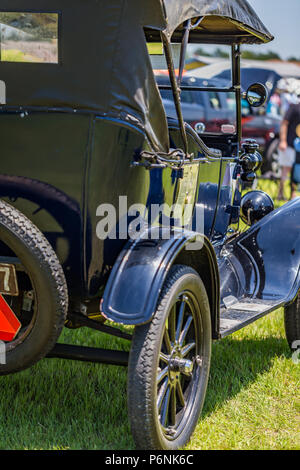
(134, 285)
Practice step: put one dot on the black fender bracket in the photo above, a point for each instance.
(134, 285)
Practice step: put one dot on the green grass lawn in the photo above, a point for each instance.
(252, 401)
(253, 396)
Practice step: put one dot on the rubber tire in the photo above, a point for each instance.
(142, 365)
(292, 322)
(49, 283)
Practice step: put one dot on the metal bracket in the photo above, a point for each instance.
(85, 354)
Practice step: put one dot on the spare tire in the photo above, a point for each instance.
(42, 302)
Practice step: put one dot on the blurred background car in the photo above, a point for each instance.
(215, 109)
(264, 125)
(212, 109)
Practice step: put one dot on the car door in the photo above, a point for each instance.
(200, 183)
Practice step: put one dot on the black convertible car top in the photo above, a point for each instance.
(91, 73)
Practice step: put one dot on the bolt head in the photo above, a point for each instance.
(199, 361)
(170, 432)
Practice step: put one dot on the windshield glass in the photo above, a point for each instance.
(216, 110)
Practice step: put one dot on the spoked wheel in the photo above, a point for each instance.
(169, 365)
(37, 292)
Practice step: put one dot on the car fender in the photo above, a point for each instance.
(136, 280)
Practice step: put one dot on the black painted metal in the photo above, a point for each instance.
(67, 160)
(234, 320)
(263, 263)
(251, 160)
(197, 88)
(255, 205)
(133, 288)
(81, 320)
(85, 354)
(175, 89)
(12, 260)
(185, 41)
(236, 81)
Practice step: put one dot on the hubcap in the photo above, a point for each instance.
(182, 366)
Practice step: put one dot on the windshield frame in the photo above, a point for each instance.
(176, 82)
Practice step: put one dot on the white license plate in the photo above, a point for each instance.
(8, 280)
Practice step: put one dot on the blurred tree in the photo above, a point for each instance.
(217, 53)
(201, 51)
(221, 53)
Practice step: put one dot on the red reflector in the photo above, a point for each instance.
(9, 324)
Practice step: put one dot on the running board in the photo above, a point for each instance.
(240, 314)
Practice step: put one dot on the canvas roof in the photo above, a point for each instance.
(104, 65)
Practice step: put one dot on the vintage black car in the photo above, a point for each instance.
(110, 211)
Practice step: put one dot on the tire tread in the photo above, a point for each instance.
(141, 367)
(292, 322)
(30, 235)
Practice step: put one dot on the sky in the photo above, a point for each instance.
(282, 19)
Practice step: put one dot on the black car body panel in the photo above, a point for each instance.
(110, 210)
(129, 301)
(265, 264)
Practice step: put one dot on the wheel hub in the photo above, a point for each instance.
(183, 366)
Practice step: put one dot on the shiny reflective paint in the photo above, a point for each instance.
(272, 250)
(61, 181)
(128, 300)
